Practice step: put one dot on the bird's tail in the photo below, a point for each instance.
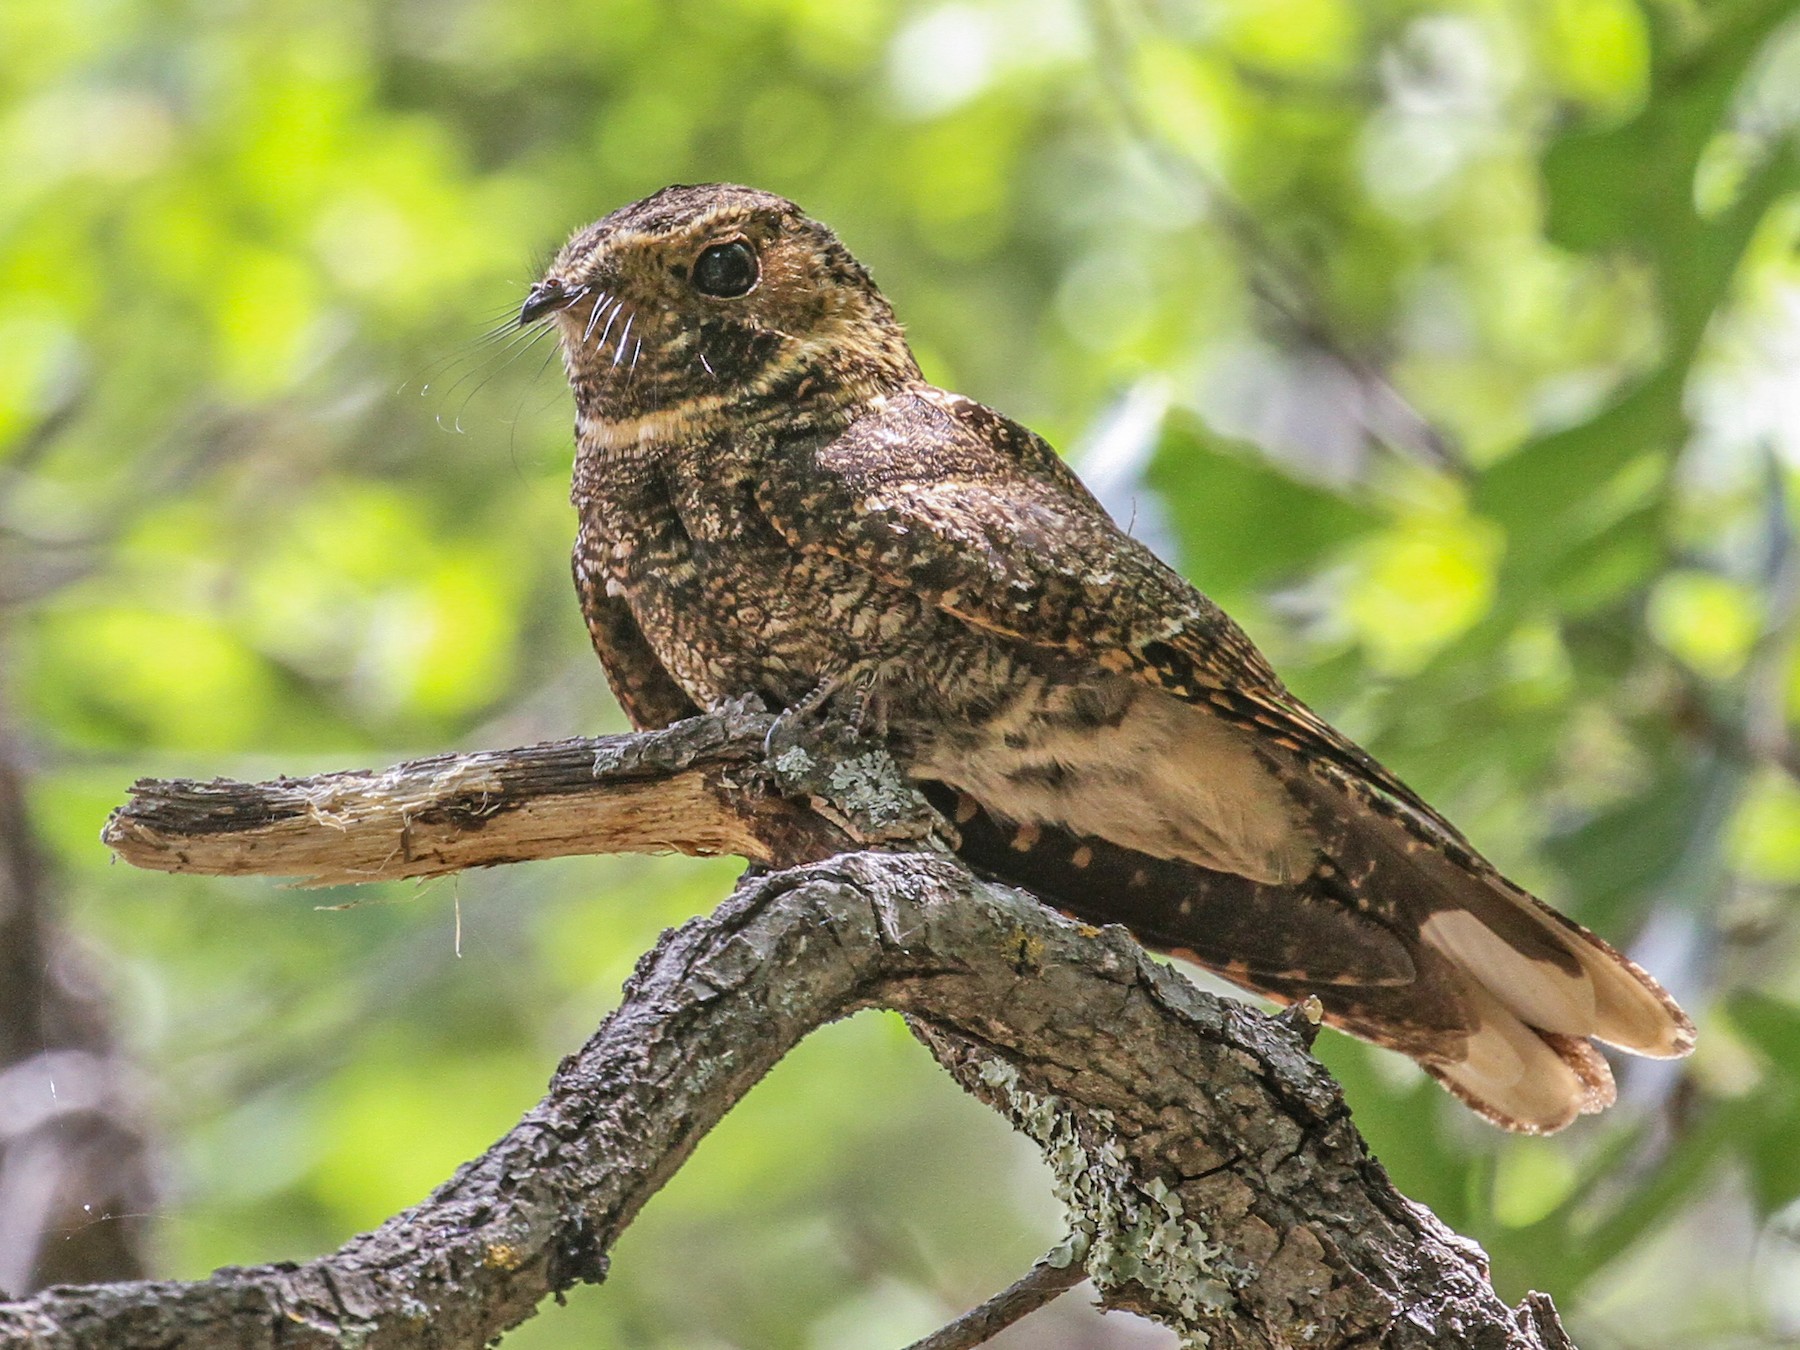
(1494, 993)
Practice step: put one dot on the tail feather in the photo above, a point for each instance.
(1494, 993)
(1605, 995)
(1530, 979)
(1521, 1077)
(1552, 974)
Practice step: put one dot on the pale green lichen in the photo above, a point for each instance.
(792, 762)
(868, 785)
(1128, 1231)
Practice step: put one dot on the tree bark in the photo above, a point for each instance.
(1213, 1177)
(699, 787)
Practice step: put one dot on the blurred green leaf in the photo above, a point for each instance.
(1244, 525)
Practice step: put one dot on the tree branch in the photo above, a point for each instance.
(1049, 1279)
(699, 787)
(76, 1182)
(1210, 1166)
(1213, 1178)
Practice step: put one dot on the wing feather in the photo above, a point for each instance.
(641, 683)
(1033, 556)
(938, 495)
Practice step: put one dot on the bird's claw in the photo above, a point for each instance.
(845, 772)
(799, 723)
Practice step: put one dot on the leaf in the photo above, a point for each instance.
(1772, 1027)
(1244, 525)
(1628, 850)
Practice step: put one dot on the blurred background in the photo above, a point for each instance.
(1454, 345)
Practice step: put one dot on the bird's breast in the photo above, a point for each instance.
(727, 605)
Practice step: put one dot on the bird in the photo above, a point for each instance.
(774, 502)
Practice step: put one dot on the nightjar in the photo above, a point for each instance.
(774, 501)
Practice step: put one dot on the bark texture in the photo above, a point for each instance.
(704, 786)
(1213, 1176)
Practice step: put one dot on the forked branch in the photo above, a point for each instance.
(1213, 1178)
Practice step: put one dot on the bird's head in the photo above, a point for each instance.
(709, 302)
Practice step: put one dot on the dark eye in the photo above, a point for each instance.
(725, 270)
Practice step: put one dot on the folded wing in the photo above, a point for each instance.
(1408, 936)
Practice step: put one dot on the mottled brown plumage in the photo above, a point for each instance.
(773, 501)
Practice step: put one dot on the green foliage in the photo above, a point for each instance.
(1476, 327)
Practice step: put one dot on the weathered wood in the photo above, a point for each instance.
(688, 789)
(705, 786)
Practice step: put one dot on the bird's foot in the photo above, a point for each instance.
(846, 773)
(869, 710)
(800, 721)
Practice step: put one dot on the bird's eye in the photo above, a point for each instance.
(725, 271)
